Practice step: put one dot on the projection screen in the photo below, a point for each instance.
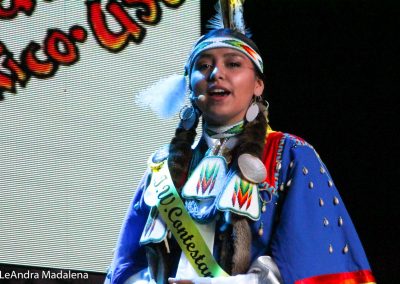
(74, 144)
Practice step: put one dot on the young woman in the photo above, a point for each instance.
(246, 204)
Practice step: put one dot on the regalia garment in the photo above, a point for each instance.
(297, 218)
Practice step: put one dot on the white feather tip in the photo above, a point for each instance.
(164, 97)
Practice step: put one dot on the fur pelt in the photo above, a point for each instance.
(226, 250)
(241, 235)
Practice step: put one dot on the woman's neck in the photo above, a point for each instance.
(224, 131)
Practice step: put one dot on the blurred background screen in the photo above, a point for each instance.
(74, 145)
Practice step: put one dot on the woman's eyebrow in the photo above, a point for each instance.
(204, 55)
(234, 54)
(225, 55)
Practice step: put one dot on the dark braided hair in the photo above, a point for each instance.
(180, 154)
(252, 139)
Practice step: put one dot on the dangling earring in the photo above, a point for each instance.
(188, 115)
(253, 110)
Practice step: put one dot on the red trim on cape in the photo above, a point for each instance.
(270, 154)
(357, 277)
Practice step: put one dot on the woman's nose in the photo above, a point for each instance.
(216, 73)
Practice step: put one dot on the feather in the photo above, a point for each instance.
(216, 22)
(225, 13)
(229, 14)
(165, 97)
(236, 16)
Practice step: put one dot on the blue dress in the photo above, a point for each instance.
(304, 225)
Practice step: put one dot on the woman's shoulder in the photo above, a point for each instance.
(160, 155)
(283, 149)
(284, 138)
(280, 150)
(281, 143)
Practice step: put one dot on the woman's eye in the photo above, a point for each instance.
(234, 64)
(203, 66)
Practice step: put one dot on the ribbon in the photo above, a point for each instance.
(179, 222)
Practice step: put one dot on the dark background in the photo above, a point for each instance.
(331, 80)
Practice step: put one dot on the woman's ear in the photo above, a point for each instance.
(258, 87)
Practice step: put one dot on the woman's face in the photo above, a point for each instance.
(228, 81)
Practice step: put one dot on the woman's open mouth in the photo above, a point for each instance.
(218, 92)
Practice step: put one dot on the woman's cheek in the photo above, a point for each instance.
(201, 105)
(197, 81)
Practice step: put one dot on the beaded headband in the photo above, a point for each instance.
(226, 41)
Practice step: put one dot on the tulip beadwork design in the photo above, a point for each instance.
(243, 193)
(208, 176)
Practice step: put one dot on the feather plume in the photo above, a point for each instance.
(236, 16)
(229, 14)
(165, 97)
(216, 22)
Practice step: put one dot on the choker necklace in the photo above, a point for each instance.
(218, 132)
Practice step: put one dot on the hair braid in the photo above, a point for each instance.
(180, 154)
(252, 139)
